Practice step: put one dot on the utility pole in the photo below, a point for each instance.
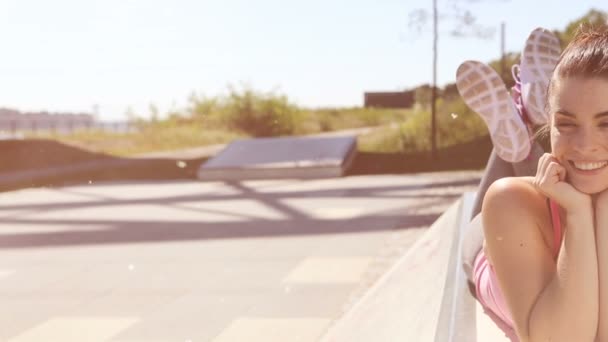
(503, 62)
(418, 19)
(434, 86)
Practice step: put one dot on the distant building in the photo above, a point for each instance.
(401, 99)
(13, 120)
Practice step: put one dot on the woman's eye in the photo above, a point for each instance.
(604, 124)
(564, 124)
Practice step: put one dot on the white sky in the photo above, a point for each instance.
(69, 55)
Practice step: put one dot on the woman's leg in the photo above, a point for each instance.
(472, 239)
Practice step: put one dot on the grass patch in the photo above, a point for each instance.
(149, 139)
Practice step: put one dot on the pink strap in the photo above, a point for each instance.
(557, 226)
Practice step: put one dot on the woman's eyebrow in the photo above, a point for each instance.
(567, 113)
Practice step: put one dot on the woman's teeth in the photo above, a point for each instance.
(589, 166)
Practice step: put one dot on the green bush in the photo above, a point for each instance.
(261, 115)
(387, 140)
(332, 119)
(456, 123)
(270, 114)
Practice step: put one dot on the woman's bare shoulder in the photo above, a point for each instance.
(523, 202)
(519, 191)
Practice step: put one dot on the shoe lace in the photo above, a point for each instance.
(517, 99)
(516, 95)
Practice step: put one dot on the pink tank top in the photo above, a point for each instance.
(486, 284)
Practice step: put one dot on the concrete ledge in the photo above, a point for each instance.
(404, 304)
(457, 316)
(462, 318)
(424, 296)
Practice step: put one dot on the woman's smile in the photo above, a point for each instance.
(587, 167)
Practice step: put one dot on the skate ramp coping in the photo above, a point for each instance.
(424, 296)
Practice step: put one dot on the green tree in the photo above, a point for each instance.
(154, 113)
(593, 17)
(422, 96)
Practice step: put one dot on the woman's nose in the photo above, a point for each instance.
(585, 142)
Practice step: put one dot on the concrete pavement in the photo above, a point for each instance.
(192, 261)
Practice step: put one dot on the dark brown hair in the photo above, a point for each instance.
(586, 56)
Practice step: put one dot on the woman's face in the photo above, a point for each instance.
(579, 131)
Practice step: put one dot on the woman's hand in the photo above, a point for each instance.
(551, 181)
(601, 200)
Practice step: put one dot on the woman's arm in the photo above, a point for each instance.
(601, 233)
(568, 306)
(548, 302)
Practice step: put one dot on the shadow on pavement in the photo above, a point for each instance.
(426, 206)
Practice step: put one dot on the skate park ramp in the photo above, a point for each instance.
(285, 157)
(424, 296)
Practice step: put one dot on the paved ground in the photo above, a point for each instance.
(192, 261)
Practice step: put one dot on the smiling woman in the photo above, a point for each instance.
(542, 272)
(579, 134)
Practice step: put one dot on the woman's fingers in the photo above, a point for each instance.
(550, 180)
(562, 173)
(543, 162)
(553, 173)
(550, 173)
